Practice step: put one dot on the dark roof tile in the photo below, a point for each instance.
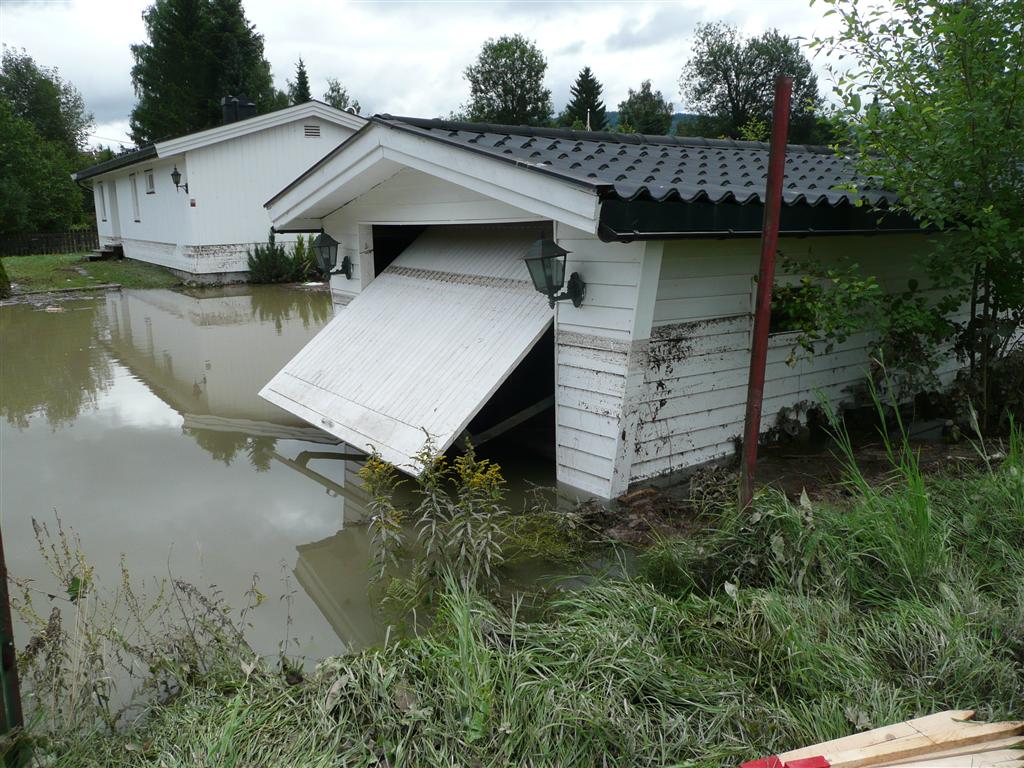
(717, 170)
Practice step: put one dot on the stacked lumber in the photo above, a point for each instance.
(943, 740)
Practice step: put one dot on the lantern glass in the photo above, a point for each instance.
(176, 177)
(326, 252)
(546, 263)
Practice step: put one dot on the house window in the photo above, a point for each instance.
(150, 183)
(101, 194)
(311, 131)
(134, 181)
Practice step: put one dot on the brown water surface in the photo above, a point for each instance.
(135, 416)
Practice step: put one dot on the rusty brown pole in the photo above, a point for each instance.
(11, 721)
(766, 276)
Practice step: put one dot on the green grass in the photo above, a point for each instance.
(782, 627)
(53, 271)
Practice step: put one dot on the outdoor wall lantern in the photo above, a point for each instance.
(546, 262)
(176, 178)
(327, 256)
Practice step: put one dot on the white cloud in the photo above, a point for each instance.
(399, 57)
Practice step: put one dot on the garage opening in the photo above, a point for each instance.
(389, 242)
(449, 340)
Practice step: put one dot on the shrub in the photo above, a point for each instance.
(304, 266)
(5, 283)
(272, 263)
(269, 263)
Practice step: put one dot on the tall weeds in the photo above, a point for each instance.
(800, 622)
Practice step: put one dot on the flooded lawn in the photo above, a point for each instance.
(135, 416)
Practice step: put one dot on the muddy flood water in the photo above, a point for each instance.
(134, 416)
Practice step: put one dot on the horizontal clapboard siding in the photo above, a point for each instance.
(593, 343)
(690, 396)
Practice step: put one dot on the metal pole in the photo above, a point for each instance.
(765, 279)
(11, 720)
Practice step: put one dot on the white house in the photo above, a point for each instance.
(203, 227)
(648, 374)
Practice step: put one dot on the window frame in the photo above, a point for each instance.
(133, 181)
(150, 182)
(102, 189)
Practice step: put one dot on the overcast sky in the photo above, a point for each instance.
(402, 57)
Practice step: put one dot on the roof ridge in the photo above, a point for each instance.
(608, 136)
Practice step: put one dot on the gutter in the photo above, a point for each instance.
(121, 161)
(608, 235)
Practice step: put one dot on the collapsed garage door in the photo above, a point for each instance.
(423, 347)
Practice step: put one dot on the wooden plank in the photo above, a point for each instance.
(1002, 757)
(922, 744)
(880, 735)
(1011, 742)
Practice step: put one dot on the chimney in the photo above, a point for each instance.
(235, 108)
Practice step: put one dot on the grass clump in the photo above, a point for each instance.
(49, 272)
(793, 623)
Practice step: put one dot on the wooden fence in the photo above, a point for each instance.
(72, 241)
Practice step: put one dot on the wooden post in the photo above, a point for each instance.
(765, 279)
(11, 720)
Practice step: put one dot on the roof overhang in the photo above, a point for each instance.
(381, 149)
(140, 155)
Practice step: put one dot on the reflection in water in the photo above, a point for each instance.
(156, 367)
(159, 466)
(56, 378)
(267, 307)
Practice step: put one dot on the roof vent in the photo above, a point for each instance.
(311, 131)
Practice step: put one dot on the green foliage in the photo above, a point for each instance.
(586, 100)
(303, 258)
(273, 263)
(458, 513)
(5, 282)
(755, 129)
(36, 190)
(777, 628)
(506, 84)
(298, 92)
(197, 52)
(730, 81)
(269, 263)
(93, 636)
(645, 111)
(40, 96)
(338, 97)
(945, 132)
(72, 270)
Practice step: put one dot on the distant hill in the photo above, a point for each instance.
(687, 118)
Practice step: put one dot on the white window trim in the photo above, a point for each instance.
(150, 182)
(103, 200)
(133, 180)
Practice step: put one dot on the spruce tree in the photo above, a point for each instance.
(298, 91)
(586, 95)
(197, 51)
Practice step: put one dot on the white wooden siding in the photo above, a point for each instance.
(593, 345)
(229, 183)
(691, 378)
